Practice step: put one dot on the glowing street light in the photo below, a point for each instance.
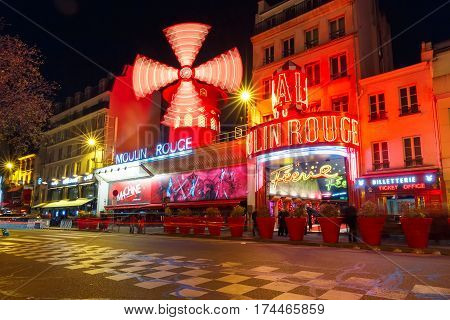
(91, 142)
(9, 165)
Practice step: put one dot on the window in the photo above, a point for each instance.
(267, 85)
(377, 107)
(313, 73)
(412, 151)
(337, 28)
(314, 106)
(78, 149)
(213, 124)
(338, 66)
(89, 165)
(380, 155)
(201, 121)
(311, 38)
(76, 168)
(57, 172)
(88, 191)
(408, 100)
(269, 55)
(60, 154)
(288, 47)
(73, 193)
(69, 151)
(340, 104)
(188, 120)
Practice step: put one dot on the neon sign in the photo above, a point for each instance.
(162, 150)
(129, 191)
(285, 174)
(289, 132)
(289, 90)
(400, 182)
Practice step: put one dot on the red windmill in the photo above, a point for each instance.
(194, 98)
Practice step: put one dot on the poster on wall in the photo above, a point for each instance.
(131, 192)
(215, 184)
(320, 179)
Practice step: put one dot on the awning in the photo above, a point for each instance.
(40, 205)
(210, 203)
(67, 203)
(15, 189)
(134, 206)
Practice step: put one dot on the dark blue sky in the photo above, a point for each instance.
(111, 32)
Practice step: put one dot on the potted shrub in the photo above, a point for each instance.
(416, 226)
(296, 223)
(199, 224)
(168, 223)
(265, 223)
(236, 221)
(214, 221)
(185, 221)
(370, 223)
(330, 223)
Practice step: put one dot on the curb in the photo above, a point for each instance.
(359, 246)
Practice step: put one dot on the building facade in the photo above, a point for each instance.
(331, 44)
(400, 151)
(81, 139)
(440, 54)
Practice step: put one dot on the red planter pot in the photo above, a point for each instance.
(185, 224)
(214, 225)
(416, 231)
(92, 224)
(236, 225)
(169, 226)
(199, 225)
(81, 224)
(265, 227)
(296, 228)
(330, 229)
(370, 229)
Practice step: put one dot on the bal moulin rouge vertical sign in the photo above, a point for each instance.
(294, 124)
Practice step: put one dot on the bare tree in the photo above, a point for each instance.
(25, 96)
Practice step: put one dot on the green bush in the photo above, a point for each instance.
(328, 210)
(212, 212)
(237, 211)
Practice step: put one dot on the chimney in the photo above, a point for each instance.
(262, 6)
(426, 52)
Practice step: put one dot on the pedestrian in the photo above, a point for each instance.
(132, 223)
(350, 218)
(282, 228)
(255, 225)
(310, 212)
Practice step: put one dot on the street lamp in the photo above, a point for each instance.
(91, 142)
(9, 165)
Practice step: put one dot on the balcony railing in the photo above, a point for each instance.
(382, 115)
(407, 110)
(311, 44)
(268, 59)
(237, 133)
(288, 14)
(413, 162)
(380, 165)
(287, 53)
(337, 34)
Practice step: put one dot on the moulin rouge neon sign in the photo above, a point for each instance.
(303, 129)
(162, 150)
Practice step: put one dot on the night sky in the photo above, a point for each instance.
(111, 33)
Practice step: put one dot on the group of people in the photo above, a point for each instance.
(349, 213)
(137, 224)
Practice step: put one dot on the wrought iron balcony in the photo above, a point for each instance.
(288, 14)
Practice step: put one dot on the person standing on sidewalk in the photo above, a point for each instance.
(255, 226)
(133, 221)
(350, 216)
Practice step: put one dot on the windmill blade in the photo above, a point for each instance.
(224, 71)
(185, 107)
(186, 39)
(150, 75)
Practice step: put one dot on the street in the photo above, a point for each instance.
(55, 264)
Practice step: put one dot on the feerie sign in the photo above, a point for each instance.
(162, 150)
(329, 128)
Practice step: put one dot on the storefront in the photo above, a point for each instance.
(392, 191)
(70, 197)
(188, 178)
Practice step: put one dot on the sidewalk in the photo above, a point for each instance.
(392, 244)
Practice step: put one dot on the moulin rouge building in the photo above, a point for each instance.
(321, 128)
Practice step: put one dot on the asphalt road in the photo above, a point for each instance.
(54, 264)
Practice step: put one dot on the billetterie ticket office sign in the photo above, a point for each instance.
(306, 129)
(161, 151)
